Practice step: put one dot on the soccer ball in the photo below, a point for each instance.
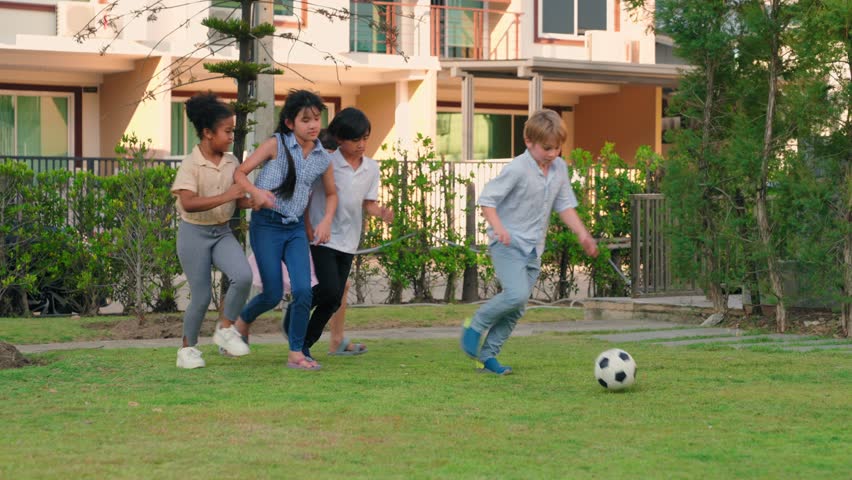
(615, 369)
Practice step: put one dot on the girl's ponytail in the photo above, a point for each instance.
(288, 186)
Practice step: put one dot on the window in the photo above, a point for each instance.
(458, 23)
(282, 7)
(368, 27)
(494, 135)
(571, 17)
(35, 124)
(183, 133)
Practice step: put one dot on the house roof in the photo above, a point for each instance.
(552, 69)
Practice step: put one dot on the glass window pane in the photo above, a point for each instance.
(557, 16)
(519, 147)
(7, 125)
(459, 23)
(448, 136)
(29, 126)
(493, 136)
(591, 15)
(178, 126)
(54, 126)
(366, 33)
(189, 134)
(283, 7)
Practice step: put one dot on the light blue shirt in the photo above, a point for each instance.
(353, 187)
(524, 198)
(308, 170)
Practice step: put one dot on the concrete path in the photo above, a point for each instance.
(523, 329)
(655, 332)
(734, 338)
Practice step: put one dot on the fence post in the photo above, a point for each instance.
(470, 284)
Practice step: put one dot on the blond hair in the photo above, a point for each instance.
(544, 126)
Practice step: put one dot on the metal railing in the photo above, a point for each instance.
(101, 166)
(477, 173)
(651, 250)
(453, 32)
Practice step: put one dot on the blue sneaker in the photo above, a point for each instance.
(470, 340)
(493, 366)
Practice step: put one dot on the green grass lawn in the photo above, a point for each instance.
(22, 331)
(416, 409)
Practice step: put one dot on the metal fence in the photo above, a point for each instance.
(101, 166)
(651, 249)
(477, 173)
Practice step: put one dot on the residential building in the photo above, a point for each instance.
(465, 72)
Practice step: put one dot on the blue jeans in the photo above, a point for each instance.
(496, 318)
(272, 242)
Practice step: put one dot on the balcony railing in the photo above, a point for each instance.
(451, 32)
(475, 33)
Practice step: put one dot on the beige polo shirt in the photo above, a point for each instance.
(199, 175)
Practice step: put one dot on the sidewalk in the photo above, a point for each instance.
(523, 329)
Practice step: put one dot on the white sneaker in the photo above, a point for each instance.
(230, 340)
(189, 357)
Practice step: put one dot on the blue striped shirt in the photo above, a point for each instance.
(524, 197)
(274, 171)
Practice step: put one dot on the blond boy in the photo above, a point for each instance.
(517, 205)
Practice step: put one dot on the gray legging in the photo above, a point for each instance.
(199, 247)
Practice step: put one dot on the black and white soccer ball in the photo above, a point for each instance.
(615, 369)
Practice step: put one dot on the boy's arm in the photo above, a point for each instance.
(490, 214)
(373, 208)
(572, 220)
(322, 233)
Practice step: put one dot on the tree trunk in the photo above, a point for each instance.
(713, 287)
(470, 285)
(448, 186)
(761, 210)
(246, 53)
(846, 308)
(718, 298)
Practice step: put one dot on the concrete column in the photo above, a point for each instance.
(535, 93)
(467, 107)
(264, 116)
(402, 117)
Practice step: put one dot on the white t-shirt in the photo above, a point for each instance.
(353, 187)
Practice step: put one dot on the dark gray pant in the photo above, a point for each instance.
(199, 247)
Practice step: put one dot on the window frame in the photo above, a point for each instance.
(49, 94)
(512, 114)
(577, 36)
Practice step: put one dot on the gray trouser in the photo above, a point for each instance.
(199, 247)
(496, 318)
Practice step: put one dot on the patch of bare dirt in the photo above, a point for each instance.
(10, 357)
(823, 323)
(169, 326)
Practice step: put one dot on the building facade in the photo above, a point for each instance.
(464, 72)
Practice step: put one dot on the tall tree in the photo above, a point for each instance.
(697, 179)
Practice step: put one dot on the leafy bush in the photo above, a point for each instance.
(71, 240)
